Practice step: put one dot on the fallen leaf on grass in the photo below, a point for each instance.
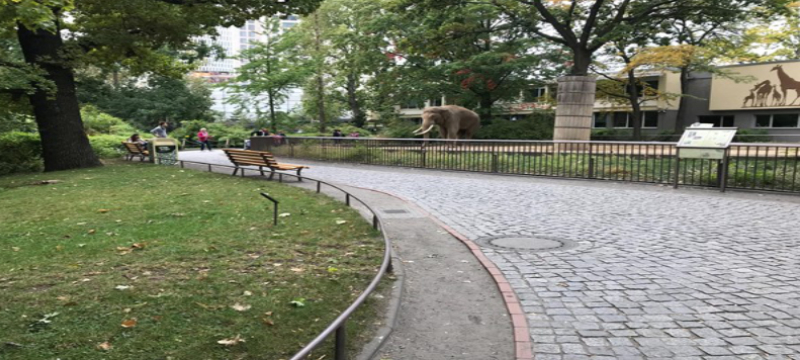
(300, 302)
(268, 322)
(91, 231)
(340, 222)
(178, 214)
(284, 214)
(240, 307)
(230, 342)
(103, 211)
(298, 270)
(15, 248)
(247, 293)
(129, 323)
(104, 346)
(122, 287)
(332, 269)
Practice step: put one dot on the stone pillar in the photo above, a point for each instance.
(575, 102)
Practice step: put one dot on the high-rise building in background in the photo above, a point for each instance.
(217, 71)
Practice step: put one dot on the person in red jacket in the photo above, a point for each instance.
(203, 137)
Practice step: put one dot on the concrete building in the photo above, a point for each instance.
(764, 96)
(219, 71)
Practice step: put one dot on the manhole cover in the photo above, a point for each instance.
(526, 243)
(395, 211)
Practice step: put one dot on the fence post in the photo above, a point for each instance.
(227, 142)
(424, 156)
(319, 184)
(677, 166)
(347, 199)
(495, 164)
(723, 173)
(591, 167)
(291, 149)
(181, 164)
(341, 342)
(375, 222)
(209, 168)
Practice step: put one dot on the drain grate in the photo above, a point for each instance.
(395, 211)
(526, 243)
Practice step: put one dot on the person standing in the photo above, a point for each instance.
(203, 137)
(160, 131)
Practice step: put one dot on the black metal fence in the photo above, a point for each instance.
(771, 167)
(337, 327)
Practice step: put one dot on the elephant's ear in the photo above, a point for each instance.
(446, 115)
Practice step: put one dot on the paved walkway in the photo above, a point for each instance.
(656, 273)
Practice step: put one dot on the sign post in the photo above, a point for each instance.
(706, 143)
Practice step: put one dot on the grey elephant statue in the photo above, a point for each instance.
(455, 122)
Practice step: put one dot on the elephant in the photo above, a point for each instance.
(455, 122)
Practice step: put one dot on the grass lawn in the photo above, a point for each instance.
(135, 261)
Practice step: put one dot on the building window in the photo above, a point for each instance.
(436, 102)
(717, 120)
(777, 120)
(600, 120)
(533, 95)
(650, 119)
(620, 120)
(623, 120)
(412, 104)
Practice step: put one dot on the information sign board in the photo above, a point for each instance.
(165, 151)
(705, 143)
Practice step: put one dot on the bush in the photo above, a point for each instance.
(107, 146)
(96, 122)
(752, 136)
(400, 128)
(537, 126)
(20, 152)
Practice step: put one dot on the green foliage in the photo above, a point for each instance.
(217, 131)
(345, 128)
(537, 126)
(401, 128)
(161, 98)
(270, 72)
(20, 152)
(96, 122)
(752, 136)
(108, 146)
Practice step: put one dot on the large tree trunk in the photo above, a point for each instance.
(486, 103)
(574, 108)
(575, 101)
(273, 121)
(64, 142)
(636, 109)
(320, 73)
(683, 103)
(359, 118)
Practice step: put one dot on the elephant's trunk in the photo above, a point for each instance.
(419, 132)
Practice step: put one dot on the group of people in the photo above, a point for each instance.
(338, 133)
(279, 138)
(160, 131)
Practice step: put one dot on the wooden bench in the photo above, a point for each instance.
(262, 159)
(135, 149)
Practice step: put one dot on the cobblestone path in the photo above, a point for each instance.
(656, 273)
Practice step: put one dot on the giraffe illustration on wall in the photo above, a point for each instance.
(764, 89)
(776, 97)
(787, 83)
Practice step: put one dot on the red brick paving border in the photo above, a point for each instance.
(522, 337)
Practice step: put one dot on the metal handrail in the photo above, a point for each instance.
(338, 325)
